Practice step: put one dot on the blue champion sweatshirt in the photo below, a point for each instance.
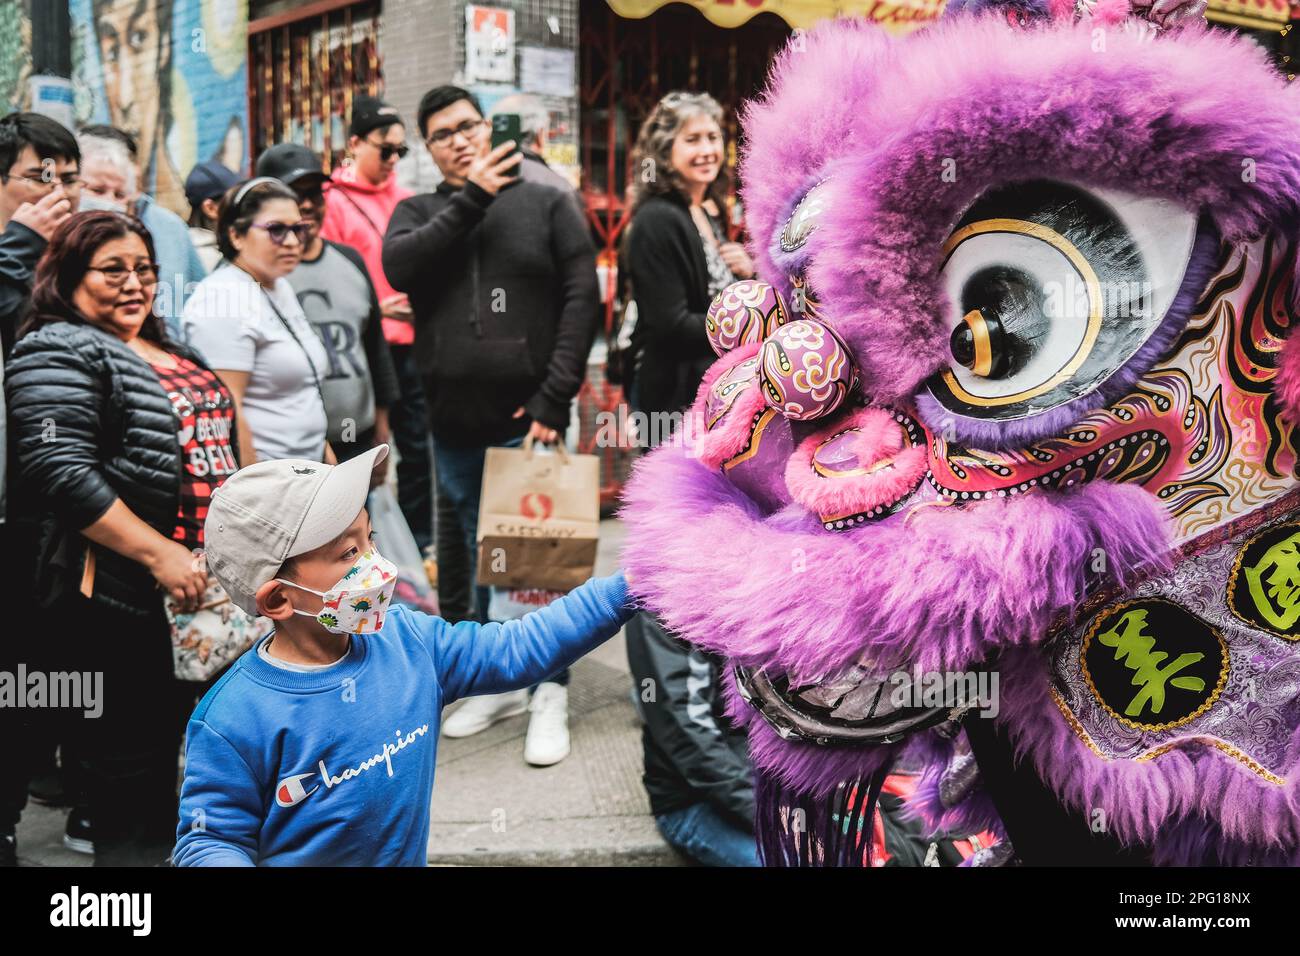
(284, 768)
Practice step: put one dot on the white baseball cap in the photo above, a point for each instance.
(272, 511)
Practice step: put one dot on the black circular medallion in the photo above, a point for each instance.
(1264, 588)
(1153, 664)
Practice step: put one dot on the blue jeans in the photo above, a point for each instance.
(460, 479)
(706, 837)
(408, 421)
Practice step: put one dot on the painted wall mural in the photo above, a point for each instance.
(172, 74)
(15, 55)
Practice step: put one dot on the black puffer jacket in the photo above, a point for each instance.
(90, 423)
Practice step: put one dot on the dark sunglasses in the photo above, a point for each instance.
(388, 150)
(278, 232)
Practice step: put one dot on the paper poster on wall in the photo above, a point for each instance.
(52, 96)
(546, 71)
(489, 44)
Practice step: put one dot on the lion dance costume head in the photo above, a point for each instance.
(1014, 396)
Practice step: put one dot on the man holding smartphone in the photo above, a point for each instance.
(501, 275)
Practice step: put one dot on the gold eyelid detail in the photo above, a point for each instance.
(983, 364)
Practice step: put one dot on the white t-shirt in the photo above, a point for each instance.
(230, 322)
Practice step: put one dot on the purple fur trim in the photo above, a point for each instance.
(937, 587)
(1150, 118)
(1142, 799)
(972, 815)
(836, 829)
(1196, 841)
(997, 435)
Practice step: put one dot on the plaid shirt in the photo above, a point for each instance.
(204, 416)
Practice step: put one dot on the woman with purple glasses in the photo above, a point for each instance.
(246, 321)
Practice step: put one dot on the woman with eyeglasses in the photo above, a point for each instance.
(120, 436)
(246, 321)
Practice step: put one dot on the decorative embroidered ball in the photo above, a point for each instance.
(744, 313)
(805, 370)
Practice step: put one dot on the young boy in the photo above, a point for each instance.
(317, 746)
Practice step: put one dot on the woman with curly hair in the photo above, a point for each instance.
(676, 252)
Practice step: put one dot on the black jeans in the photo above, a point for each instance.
(455, 561)
(408, 421)
(129, 753)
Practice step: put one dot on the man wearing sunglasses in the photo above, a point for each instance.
(361, 196)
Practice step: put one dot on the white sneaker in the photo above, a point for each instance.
(547, 742)
(480, 713)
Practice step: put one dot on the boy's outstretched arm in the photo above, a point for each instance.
(221, 805)
(474, 659)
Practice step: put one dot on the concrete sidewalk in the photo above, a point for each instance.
(491, 808)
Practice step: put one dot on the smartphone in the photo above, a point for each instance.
(505, 127)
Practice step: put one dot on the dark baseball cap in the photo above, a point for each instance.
(290, 163)
(208, 180)
(369, 114)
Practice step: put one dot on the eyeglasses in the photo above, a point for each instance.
(69, 183)
(388, 150)
(441, 137)
(115, 275)
(278, 232)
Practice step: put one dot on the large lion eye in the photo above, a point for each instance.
(1051, 289)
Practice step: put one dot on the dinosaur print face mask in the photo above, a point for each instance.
(358, 602)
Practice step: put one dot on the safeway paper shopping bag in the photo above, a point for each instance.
(539, 518)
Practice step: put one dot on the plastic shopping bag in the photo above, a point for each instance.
(396, 543)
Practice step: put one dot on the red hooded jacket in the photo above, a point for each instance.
(357, 214)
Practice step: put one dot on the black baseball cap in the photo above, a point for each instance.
(208, 180)
(291, 163)
(369, 114)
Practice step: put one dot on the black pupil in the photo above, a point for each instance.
(1010, 304)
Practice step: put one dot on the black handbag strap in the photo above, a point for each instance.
(289, 328)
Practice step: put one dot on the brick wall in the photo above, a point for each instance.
(417, 40)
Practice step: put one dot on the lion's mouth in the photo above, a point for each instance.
(856, 707)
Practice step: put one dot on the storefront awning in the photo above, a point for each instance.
(1254, 14)
(895, 15)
